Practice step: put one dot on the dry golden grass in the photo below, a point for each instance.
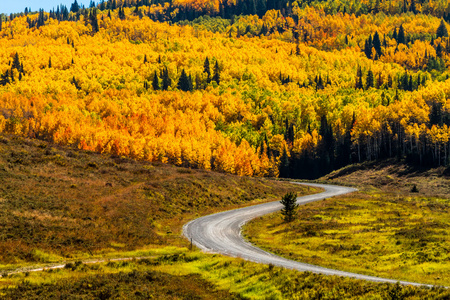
(69, 204)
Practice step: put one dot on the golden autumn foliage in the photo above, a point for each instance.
(285, 83)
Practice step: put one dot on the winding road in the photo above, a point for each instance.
(221, 233)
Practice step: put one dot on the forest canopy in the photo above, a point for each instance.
(250, 87)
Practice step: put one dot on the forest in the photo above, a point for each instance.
(248, 87)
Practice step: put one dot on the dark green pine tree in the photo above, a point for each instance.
(94, 21)
(401, 39)
(289, 202)
(359, 83)
(121, 13)
(410, 84)
(191, 85)
(74, 7)
(155, 82)
(376, 43)
(439, 50)
(183, 82)
(166, 81)
(368, 47)
(50, 62)
(16, 62)
(41, 19)
(412, 7)
(369, 79)
(4, 78)
(207, 70)
(442, 30)
(216, 76)
(404, 81)
(1, 23)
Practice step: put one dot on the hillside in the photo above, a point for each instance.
(292, 92)
(395, 177)
(61, 204)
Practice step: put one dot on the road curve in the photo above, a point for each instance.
(221, 233)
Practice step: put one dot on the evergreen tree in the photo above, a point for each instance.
(368, 47)
(50, 62)
(183, 82)
(289, 202)
(207, 70)
(74, 7)
(94, 21)
(401, 39)
(155, 82)
(4, 79)
(359, 83)
(439, 50)
(441, 30)
(166, 81)
(216, 76)
(145, 58)
(122, 13)
(412, 7)
(377, 43)
(16, 62)
(369, 79)
(191, 85)
(41, 19)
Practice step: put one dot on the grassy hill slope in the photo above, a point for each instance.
(57, 203)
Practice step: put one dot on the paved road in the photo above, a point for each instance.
(221, 233)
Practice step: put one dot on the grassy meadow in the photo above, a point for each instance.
(385, 230)
(184, 274)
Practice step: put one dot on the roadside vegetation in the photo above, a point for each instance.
(399, 233)
(184, 274)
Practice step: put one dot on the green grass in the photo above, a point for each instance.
(184, 274)
(404, 238)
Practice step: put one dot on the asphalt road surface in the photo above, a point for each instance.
(221, 233)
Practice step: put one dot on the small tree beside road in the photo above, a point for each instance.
(289, 206)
